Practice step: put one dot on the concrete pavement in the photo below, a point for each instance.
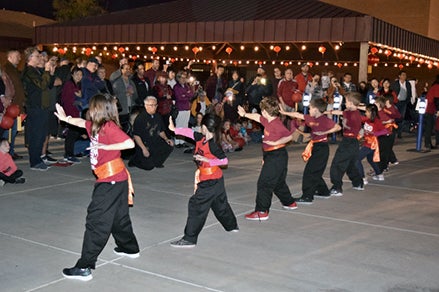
(385, 238)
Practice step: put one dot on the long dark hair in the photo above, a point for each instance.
(213, 125)
(103, 109)
(373, 109)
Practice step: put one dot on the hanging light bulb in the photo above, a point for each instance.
(242, 48)
(256, 48)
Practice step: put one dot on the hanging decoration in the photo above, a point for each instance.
(277, 49)
(400, 66)
(121, 50)
(88, 51)
(372, 60)
(229, 50)
(373, 50)
(195, 50)
(339, 65)
(61, 51)
(154, 50)
(322, 50)
(387, 53)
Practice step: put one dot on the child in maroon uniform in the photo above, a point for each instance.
(385, 142)
(346, 156)
(210, 192)
(275, 160)
(373, 128)
(317, 152)
(392, 111)
(108, 210)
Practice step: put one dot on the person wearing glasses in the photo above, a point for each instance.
(153, 147)
(35, 83)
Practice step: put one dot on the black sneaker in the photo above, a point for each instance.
(20, 180)
(182, 243)
(304, 200)
(48, 159)
(336, 193)
(119, 252)
(77, 274)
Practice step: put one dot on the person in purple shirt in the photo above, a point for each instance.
(183, 96)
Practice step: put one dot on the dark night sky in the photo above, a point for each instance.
(44, 7)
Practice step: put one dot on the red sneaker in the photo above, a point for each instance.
(291, 207)
(257, 215)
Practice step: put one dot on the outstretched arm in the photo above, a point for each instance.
(294, 115)
(243, 113)
(334, 129)
(61, 115)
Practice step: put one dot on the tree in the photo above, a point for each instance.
(66, 10)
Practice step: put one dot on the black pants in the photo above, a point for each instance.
(36, 130)
(159, 151)
(392, 155)
(385, 143)
(107, 214)
(429, 126)
(210, 194)
(345, 161)
(11, 179)
(73, 135)
(312, 180)
(272, 179)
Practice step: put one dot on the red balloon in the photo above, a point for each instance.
(13, 111)
(297, 97)
(6, 123)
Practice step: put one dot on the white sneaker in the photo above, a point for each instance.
(124, 254)
(379, 177)
(2, 183)
(365, 181)
(335, 193)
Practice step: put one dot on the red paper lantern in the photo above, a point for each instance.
(421, 61)
(322, 49)
(400, 66)
(310, 64)
(7, 122)
(12, 111)
(339, 65)
(260, 63)
(430, 66)
(235, 63)
(286, 64)
(277, 49)
(134, 58)
(387, 53)
(401, 56)
(114, 56)
(172, 60)
(154, 50)
(61, 51)
(229, 50)
(121, 50)
(372, 60)
(195, 50)
(411, 58)
(88, 51)
(373, 50)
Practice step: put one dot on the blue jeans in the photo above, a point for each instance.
(368, 153)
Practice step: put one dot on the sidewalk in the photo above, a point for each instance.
(384, 238)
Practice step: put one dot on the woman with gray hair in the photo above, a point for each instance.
(183, 95)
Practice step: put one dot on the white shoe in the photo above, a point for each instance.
(378, 177)
(365, 181)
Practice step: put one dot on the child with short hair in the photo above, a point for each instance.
(346, 155)
(272, 178)
(317, 152)
(9, 173)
